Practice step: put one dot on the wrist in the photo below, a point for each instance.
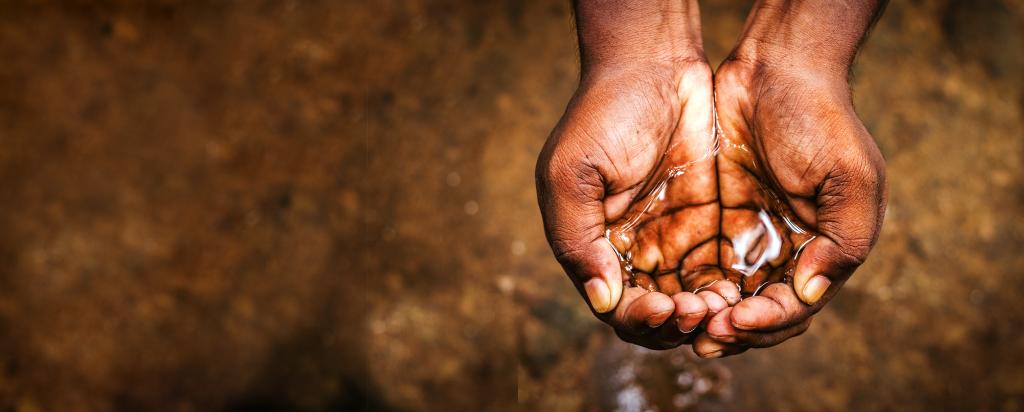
(639, 35)
(811, 37)
(747, 85)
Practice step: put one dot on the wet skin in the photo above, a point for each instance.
(799, 136)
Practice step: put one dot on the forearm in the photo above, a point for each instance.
(615, 33)
(817, 35)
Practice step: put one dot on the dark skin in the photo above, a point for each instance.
(647, 91)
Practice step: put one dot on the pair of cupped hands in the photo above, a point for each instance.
(632, 111)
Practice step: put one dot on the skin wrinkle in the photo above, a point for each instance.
(615, 168)
(600, 143)
(563, 235)
(816, 157)
(675, 209)
(719, 233)
(794, 147)
(826, 224)
(752, 107)
(721, 214)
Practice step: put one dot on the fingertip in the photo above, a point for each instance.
(720, 327)
(615, 290)
(599, 294)
(707, 348)
(649, 310)
(728, 290)
(660, 302)
(757, 339)
(658, 318)
(757, 312)
(661, 307)
(612, 274)
(689, 323)
(688, 303)
(814, 289)
(713, 300)
(820, 260)
(690, 310)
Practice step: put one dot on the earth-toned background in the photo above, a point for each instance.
(319, 205)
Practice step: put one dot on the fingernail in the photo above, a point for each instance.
(657, 319)
(734, 299)
(680, 324)
(815, 288)
(599, 294)
(712, 355)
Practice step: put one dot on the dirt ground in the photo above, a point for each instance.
(317, 205)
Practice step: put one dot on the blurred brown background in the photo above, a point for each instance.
(316, 205)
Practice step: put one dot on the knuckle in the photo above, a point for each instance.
(851, 250)
(549, 170)
(849, 195)
(855, 249)
(570, 243)
(567, 250)
(853, 245)
(580, 179)
(853, 172)
(864, 168)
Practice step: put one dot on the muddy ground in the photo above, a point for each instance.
(316, 205)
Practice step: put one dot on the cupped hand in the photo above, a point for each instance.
(619, 131)
(799, 128)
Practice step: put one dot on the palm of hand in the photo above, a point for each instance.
(685, 211)
(785, 163)
(711, 217)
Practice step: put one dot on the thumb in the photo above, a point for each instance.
(571, 201)
(851, 206)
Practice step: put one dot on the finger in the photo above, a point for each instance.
(714, 301)
(720, 327)
(640, 311)
(690, 311)
(823, 264)
(574, 218)
(616, 204)
(766, 339)
(706, 347)
(727, 290)
(851, 206)
(777, 307)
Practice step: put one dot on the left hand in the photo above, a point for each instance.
(801, 127)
